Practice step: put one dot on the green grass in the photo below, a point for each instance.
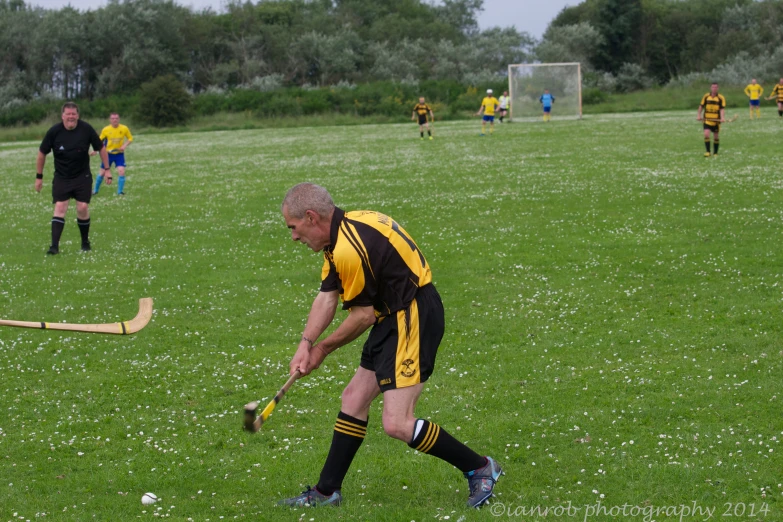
(672, 98)
(613, 323)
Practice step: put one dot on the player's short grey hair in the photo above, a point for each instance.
(308, 196)
(69, 105)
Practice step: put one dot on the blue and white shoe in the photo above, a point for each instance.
(311, 497)
(481, 482)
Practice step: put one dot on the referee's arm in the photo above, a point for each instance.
(39, 166)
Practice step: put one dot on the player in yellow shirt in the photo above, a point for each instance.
(777, 92)
(754, 91)
(713, 105)
(117, 138)
(488, 107)
(421, 110)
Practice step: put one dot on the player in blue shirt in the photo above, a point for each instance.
(547, 100)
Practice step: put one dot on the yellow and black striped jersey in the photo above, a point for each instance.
(712, 106)
(778, 91)
(421, 109)
(372, 261)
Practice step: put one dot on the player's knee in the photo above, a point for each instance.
(398, 426)
(121, 172)
(354, 402)
(60, 208)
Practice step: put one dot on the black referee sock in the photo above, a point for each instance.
(84, 228)
(780, 113)
(421, 133)
(432, 439)
(429, 133)
(349, 433)
(715, 145)
(58, 224)
(707, 144)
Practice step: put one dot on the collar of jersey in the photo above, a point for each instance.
(337, 218)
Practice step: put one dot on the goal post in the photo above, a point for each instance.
(527, 82)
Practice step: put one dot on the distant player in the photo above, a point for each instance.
(777, 92)
(421, 110)
(488, 107)
(505, 104)
(713, 105)
(117, 138)
(754, 91)
(546, 101)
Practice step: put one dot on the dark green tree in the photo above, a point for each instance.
(164, 102)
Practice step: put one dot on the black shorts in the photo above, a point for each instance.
(422, 119)
(78, 188)
(401, 349)
(714, 127)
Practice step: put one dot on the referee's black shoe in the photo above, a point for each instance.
(53, 251)
(86, 247)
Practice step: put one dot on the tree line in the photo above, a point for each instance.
(633, 44)
(115, 49)
(111, 52)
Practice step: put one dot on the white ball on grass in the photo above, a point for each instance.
(149, 498)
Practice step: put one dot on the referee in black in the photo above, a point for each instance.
(70, 142)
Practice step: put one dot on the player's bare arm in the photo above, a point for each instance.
(39, 166)
(723, 115)
(320, 317)
(698, 115)
(359, 319)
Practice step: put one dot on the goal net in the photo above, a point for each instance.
(527, 82)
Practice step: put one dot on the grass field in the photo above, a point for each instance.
(613, 307)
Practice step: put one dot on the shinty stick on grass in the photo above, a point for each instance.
(253, 423)
(123, 328)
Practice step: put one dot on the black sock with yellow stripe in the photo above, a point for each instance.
(715, 145)
(349, 433)
(433, 440)
(707, 144)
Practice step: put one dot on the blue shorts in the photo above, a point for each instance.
(490, 119)
(118, 160)
(755, 103)
(547, 110)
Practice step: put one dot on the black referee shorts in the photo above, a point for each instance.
(78, 188)
(401, 349)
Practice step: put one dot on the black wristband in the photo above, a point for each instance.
(39, 176)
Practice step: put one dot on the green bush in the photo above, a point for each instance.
(593, 96)
(164, 102)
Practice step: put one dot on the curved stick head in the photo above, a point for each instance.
(250, 417)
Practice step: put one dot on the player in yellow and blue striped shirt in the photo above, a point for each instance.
(754, 91)
(117, 138)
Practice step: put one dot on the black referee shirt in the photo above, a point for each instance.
(71, 148)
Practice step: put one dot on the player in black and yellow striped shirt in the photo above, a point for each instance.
(421, 110)
(385, 282)
(713, 106)
(777, 92)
